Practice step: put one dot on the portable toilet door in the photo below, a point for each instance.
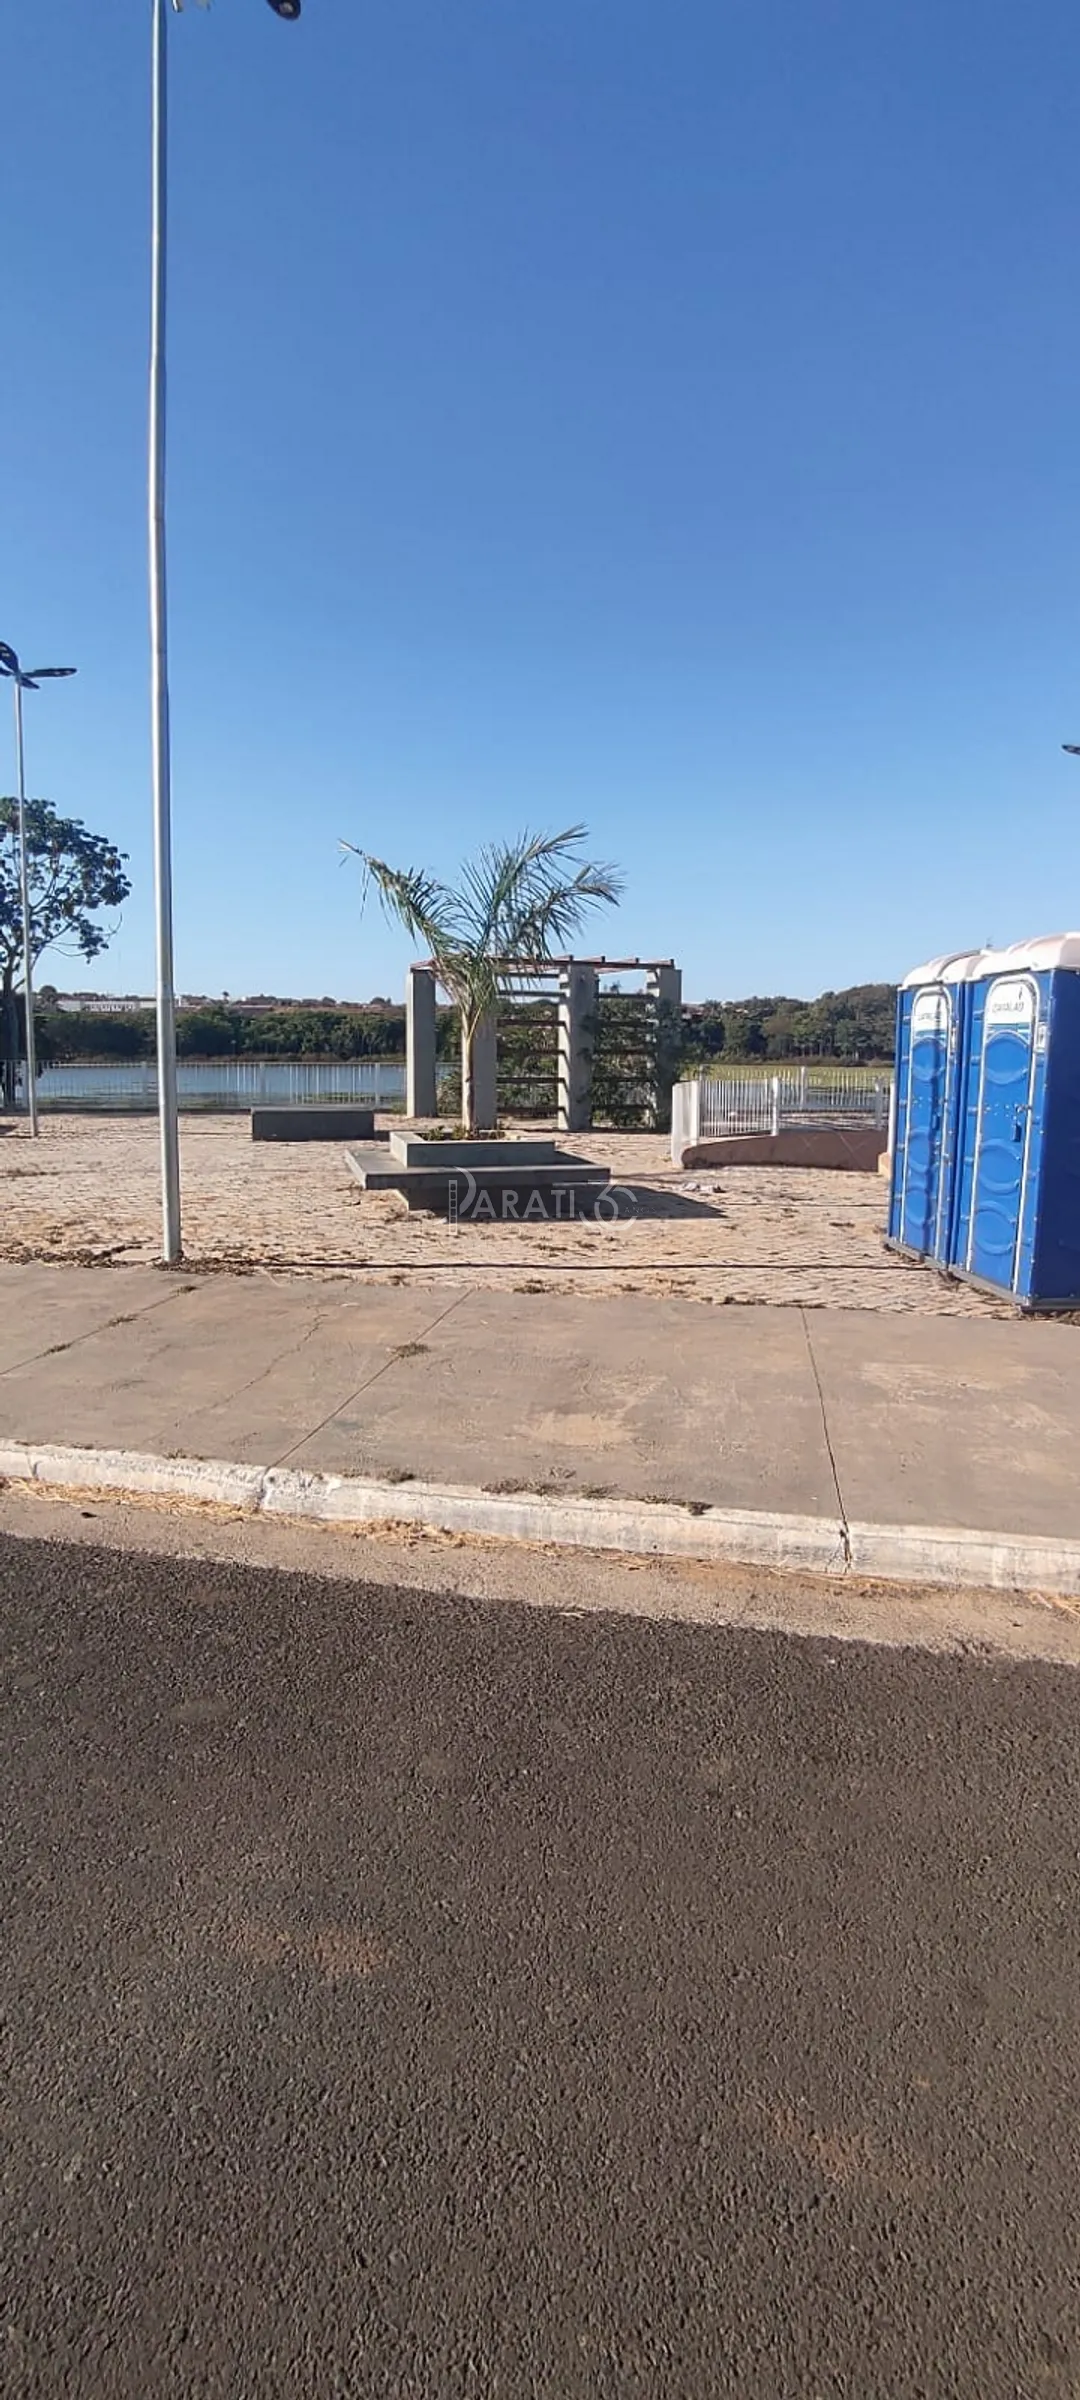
(1005, 1070)
(929, 1049)
(1017, 1185)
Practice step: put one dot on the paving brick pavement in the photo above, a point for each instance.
(87, 1193)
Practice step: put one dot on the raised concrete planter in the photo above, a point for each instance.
(510, 1192)
(342, 1123)
(411, 1150)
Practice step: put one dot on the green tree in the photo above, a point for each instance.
(743, 1037)
(62, 1036)
(72, 875)
(517, 901)
(205, 1033)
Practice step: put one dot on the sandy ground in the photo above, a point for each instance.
(87, 1191)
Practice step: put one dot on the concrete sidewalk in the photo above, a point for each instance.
(836, 1416)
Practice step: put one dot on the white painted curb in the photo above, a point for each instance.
(947, 1554)
(641, 1527)
(68, 1468)
(751, 1537)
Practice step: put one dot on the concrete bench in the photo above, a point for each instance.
(337, 1123)
(857, 1147)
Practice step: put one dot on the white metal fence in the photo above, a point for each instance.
(223, 1083)
(711, 1106)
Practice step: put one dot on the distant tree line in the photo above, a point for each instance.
(854, 1025)
(219, 1032)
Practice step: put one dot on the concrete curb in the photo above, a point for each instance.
(643, 1528)
(1008, 1562)
(63, 1467)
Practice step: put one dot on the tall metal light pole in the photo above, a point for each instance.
(168, 1118)
(24, 682)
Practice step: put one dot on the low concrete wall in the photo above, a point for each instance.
(856, 1147)
(341, 1123)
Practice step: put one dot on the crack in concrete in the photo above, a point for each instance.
(127, 1316)
(392, 1361)
(291, 1350)
(844, 1529)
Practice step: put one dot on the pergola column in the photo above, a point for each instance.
(421, 1098)
(579, 993)
(665, 993)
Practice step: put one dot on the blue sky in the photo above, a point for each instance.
(664, 417)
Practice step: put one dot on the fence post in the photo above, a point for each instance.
(802, 1085)
(685, 1118)
(775, 1123)
(689, 1097)
(879, 1103)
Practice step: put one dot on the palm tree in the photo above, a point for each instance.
(515, 903)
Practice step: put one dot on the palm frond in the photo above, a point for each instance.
(522, 900)
(553, 916)
(424, 906)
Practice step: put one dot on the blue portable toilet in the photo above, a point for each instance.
(1016, 1203)
(931, 1013)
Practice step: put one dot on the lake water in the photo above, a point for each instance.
(226, 1083)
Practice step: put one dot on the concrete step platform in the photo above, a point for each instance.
(510, 1192)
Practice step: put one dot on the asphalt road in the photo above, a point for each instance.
(410, 1996)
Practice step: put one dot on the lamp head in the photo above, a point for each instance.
(28, 677)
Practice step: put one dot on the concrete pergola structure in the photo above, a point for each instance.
(578, 987)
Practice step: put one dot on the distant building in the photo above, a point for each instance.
(91, 1004)
(128, 1004)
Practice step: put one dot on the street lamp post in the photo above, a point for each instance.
(168, 1125)
(26, 682)
(168, 1117)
